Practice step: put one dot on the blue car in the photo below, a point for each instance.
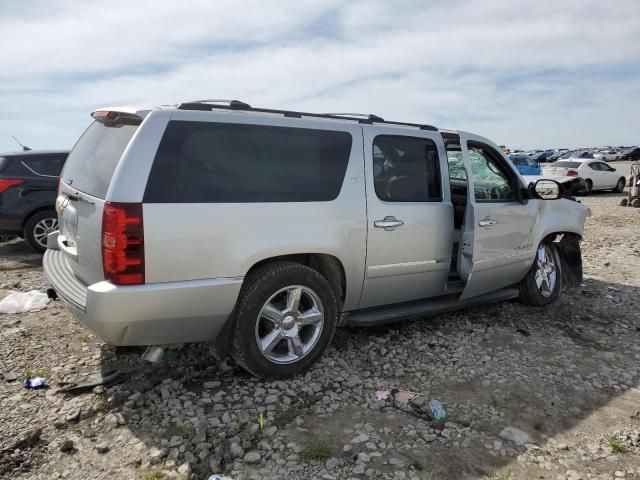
(525, 164)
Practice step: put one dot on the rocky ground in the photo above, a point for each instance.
(549, 393)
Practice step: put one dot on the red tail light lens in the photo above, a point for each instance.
(572, 173)
(123, 243)
(9, 182)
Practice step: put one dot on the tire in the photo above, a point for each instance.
(264, 315)
(37, 227)
(620, 186)
(533, 290)
(588, 187)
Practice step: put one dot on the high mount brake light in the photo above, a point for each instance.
(9, 182)
(123, 243)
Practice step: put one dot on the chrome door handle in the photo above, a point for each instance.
(389, 223)
(487, 222)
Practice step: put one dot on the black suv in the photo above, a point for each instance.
(632, 154)
(28, 182)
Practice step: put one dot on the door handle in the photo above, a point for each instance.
(487, 222)
(389, 223)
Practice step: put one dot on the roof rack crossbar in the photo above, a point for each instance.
(208, 105)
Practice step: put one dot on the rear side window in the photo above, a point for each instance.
(564, 164)
(95, 156)
(203, 162)
(46, 166)
(4, 161)
(406, 169)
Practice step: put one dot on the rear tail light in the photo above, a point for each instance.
(9, 182)
(572, 173)
(123, 243)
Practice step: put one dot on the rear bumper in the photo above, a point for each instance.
(151, 314)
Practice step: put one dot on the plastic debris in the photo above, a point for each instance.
(437, 411)
(35, 383)
(382, 394)
(20, 302)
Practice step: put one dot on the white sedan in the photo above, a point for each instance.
(607, 155)
(596, 174)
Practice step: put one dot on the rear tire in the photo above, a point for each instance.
(275, 335)
(38, 227)
(541, 285)
(620, 186)
(588, 188)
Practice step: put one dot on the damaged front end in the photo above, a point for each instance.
(571, 258)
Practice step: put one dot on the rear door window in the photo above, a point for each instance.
(406, 169)
(203, 162)
(95, 156)
(46, 166)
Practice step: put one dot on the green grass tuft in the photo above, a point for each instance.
(315, 453)
(616, 444)
(154, 474)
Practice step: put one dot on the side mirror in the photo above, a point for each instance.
(611, 169)
(547, 189)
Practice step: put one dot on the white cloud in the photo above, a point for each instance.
(407, 60)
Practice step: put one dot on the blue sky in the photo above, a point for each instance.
(562, 73)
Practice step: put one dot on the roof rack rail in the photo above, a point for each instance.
(209, 105)
(368, 116)
(202, 104)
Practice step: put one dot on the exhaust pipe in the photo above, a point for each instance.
(153, 353)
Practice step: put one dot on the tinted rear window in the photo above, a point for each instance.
(200, 162)
(48, 166)
(94, 158)
(566, 164)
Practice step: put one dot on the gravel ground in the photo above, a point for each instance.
(530, 392)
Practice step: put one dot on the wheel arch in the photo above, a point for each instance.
(329, 266)
(42, 208)
(568, 245)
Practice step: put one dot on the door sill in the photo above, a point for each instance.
(420, 308)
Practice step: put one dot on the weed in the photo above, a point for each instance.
(539, 425)
(499, 475)
(315, 453)
(36, 372)
(187, 430)
(154, 474)
(616, 444)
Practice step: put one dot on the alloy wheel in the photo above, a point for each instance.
(546, 271)
(289, 324)
(43, 228)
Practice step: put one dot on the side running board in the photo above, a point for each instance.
(420, 308)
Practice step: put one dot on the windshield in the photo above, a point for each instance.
(95, 156)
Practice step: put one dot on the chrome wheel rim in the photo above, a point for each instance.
(546, 271)
(43, 228)
(289, 324)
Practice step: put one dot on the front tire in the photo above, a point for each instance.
(541, 286)
(285, 318)
(38, 227)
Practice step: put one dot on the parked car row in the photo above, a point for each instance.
(607, 154)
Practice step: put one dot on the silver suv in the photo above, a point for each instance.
(263, 230)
